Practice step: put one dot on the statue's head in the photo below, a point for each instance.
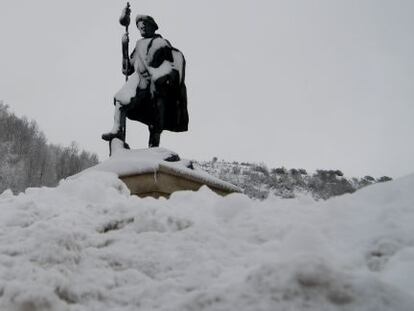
(146, 25)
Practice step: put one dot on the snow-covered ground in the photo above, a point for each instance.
(88, 245)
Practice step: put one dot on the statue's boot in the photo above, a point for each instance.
(118, 130)
(154, 140)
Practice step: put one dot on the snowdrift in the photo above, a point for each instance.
(88, 245)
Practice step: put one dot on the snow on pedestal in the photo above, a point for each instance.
(158, 172)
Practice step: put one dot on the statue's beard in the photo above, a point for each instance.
(147, 34)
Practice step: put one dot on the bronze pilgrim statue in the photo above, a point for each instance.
(154, 93)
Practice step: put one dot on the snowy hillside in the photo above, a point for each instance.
(259, 182)
(87, 245)
(28, 160)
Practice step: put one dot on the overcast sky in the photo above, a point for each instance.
(298, 83)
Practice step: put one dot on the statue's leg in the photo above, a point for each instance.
(118, 129)
(152, 140)
(156, 129)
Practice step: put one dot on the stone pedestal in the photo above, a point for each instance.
(165, 181)
(158, 172)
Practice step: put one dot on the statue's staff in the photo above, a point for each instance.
(124, 20)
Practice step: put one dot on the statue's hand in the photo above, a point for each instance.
(125, 39)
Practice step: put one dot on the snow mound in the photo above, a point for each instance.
(88, 245)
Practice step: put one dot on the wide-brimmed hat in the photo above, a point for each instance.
(146, 18)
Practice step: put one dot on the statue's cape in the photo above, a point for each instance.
(167, 83)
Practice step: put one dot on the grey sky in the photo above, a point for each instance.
(312, 84)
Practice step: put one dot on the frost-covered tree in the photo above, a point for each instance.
(259, 182)
(384, 179)
(27, 160)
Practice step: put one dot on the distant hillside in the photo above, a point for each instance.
(259, 182)
(27, 160)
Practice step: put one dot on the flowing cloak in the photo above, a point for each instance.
(157, 70)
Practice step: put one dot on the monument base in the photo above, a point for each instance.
(158, 172)
(165, 181)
